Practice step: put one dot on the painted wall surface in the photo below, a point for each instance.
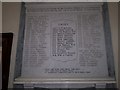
(0, 17)
(11, 17)
(113, 14)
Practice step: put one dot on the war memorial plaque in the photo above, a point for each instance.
(64, 41)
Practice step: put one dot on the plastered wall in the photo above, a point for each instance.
(113, 14)
(0, 17)
(11, 17)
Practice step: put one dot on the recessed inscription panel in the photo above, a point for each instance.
(64, 42)
(63, 38)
